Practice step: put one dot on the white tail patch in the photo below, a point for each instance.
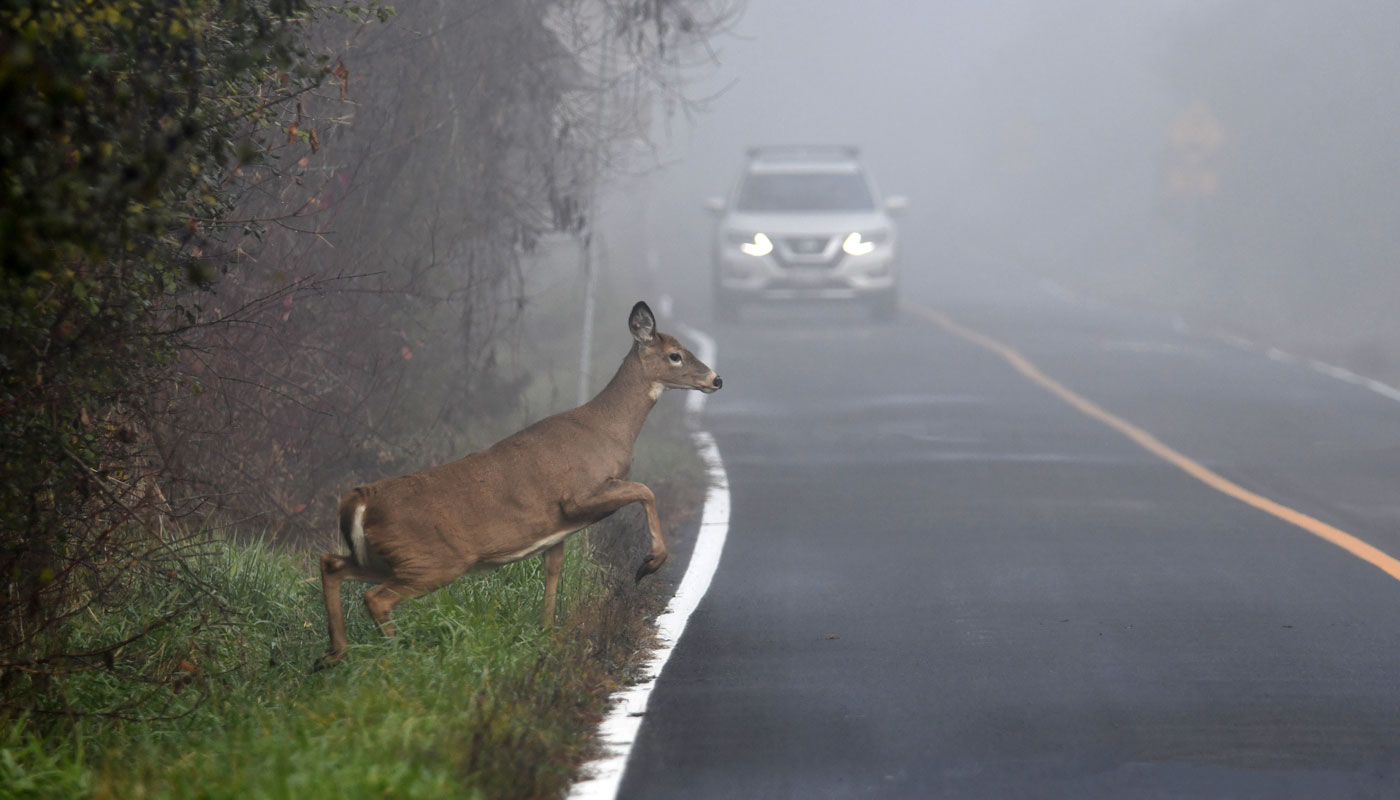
(359, 548)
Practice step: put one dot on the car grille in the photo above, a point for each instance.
(807, 251)
(806, 245)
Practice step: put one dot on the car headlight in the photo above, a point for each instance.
(859, 243)
(757, 245)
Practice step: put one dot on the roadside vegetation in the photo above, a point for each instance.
(255, 253)
(472, 698)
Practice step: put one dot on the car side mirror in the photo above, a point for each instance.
(714, 205)
(896, 203)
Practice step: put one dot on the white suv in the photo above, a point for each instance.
(805, 223)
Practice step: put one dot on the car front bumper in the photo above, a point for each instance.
(766, 278)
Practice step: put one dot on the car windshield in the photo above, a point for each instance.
(813, 191)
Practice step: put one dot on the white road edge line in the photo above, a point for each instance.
(1339, 373)
(618, 730)
(1180, 325)
(1284, 357)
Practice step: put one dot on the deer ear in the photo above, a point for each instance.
(642, 323)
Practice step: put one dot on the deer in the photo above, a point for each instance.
(524, 495)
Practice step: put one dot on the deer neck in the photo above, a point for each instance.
(624, 403)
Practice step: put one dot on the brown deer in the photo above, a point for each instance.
(521, 496)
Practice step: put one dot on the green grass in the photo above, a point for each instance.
(473, 698)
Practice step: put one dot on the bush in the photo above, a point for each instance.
(120, 128)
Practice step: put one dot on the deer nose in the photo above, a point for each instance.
(718, 382)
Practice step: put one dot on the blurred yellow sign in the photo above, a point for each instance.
(1196, 130)
(1195, 137)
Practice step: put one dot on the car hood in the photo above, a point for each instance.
(807, 223)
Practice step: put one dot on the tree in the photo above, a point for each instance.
(120, 128)
(256, 251)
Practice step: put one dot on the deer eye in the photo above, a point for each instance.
(676, 358)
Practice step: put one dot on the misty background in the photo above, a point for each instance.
(1233, 162)
(254, 254)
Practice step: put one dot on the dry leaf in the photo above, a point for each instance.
(344, 75)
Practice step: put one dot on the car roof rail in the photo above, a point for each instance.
(804, 151)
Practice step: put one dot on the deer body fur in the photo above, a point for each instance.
(522, 496)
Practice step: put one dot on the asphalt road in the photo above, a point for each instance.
(941, 580)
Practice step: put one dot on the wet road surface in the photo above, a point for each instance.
(941, 580)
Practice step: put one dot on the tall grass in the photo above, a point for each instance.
(472, 698)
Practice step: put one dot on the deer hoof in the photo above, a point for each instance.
(326, 661)
(649, 565)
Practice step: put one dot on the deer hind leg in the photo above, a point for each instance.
(553, 563)
(381, 600)
(334, 569)
(400, 585)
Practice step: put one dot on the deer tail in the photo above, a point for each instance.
(352, 527)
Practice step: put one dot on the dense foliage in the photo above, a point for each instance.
(121, 125)
(473, 699)
(255, 251)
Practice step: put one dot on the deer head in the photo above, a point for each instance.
(665, 362)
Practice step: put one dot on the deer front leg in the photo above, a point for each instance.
(553, 562)
(658, 554)
(614, 495)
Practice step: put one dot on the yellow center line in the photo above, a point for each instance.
(1152, 444)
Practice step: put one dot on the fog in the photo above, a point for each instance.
(1067, 139)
